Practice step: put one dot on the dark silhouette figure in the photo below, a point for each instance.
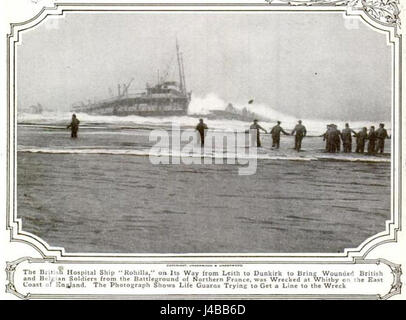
(361, 137)
(381, 135)
(300, 131)
(74, 126)
(276, 135)
(325, 136)
(371, 140)
(337, 138)
(202, 127)
(333, 139)
(346, 137)
(257, 127)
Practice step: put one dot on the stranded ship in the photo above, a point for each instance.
(166, 98)
(232, 113)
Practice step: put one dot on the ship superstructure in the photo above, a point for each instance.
(163, 99)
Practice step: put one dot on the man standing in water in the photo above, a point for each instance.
(276, 135)
(371, 140)
(74, 126)
(337, 138)
(257, 127)
(332, 136)
(347, 138)
(325, 136)
(202, 127)
(300, 134)
(381, 135)
(361, 137)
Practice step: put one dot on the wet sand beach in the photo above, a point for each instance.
(121, 203)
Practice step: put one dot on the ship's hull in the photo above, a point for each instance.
(225, 115)
(220, 114)
(139, 106)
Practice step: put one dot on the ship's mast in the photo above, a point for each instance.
(179, 67)
(126, 86)
(183, 74)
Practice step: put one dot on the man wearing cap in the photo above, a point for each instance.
(257, 127)
(300, 131)
(276, 135)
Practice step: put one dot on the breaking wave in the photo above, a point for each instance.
(244, 154)
(198, 107)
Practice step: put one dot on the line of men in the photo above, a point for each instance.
(333, 137)
(299, 131)
(375, 138)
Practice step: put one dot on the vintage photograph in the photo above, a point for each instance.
(204, 132)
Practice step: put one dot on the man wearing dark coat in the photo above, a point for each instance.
(276, 135)
(337, 138)
(371, 140)
(74, 126)
(381, 135)
(346, 137)
(300, 133)
(201, 128)
(361, 137)
(325, 137)
(257, 127)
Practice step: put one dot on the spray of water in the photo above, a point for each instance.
(199, 106)
(203, 105)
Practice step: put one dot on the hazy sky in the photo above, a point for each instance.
(304, 64)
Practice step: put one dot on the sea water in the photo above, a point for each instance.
(101, 193)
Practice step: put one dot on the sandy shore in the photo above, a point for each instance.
(119, 203)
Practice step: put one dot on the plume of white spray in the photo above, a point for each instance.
(203, 106)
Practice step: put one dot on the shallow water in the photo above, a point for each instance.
(75, 194)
